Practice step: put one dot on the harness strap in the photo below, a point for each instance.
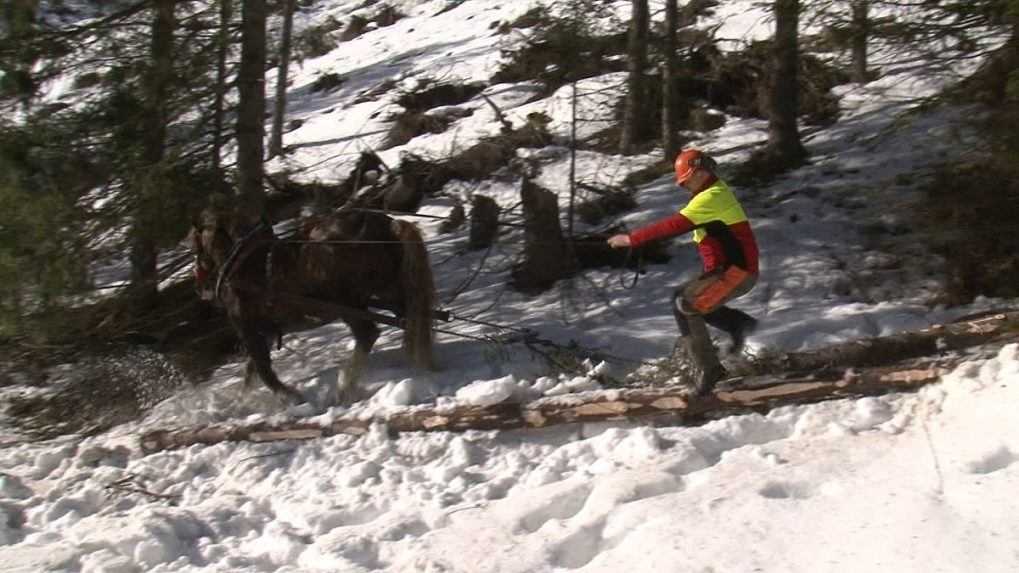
(232, 257)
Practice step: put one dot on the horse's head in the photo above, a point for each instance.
(211, 245)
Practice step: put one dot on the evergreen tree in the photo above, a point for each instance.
(785, 149)
(670, 65)
(222, 71)
(635, 112)
(279, 112)
(155, 119)
(17, 51)
(123, 169)
(860, 31)
(251, 112)
(43, 253)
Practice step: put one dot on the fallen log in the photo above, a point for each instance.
(758, 393)
(902, 346)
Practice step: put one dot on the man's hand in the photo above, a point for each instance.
(619, 241)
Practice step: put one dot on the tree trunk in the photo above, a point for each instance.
(902, 346)
(279, 115)
(670, 100)
(251, 113)
(222, 49)
(484, 222)
(159, 81)
(635, 112)
(861, 32)
(144, 275)
(784, 141)
(547, 256)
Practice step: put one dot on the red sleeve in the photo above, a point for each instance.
(668, 227)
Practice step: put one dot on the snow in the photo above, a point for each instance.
(487, 392)
(888, 483)
(902, 482)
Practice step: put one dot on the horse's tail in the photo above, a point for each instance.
(418, 288)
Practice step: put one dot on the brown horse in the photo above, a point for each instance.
(334, 267)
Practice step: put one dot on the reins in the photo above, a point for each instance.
(638, 270)
(231, 261)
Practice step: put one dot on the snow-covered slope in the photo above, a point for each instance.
(914, 482)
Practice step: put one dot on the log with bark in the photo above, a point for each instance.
(889, 349)
(673, 404)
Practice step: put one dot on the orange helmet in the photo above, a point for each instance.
(689, 161)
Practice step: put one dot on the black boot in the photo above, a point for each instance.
(737, 323)
(695, 355)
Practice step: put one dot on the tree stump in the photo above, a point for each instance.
(484, 222)
(547, 256)
(456, 218)
(403, 196)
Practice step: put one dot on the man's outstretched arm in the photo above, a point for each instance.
(672, 226)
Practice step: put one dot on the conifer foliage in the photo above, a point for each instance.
(114, 169)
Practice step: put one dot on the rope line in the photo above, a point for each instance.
(373, 242)
(530, 337)
(639, 270)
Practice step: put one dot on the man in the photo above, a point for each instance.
(729, 251)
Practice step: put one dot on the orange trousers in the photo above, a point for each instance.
(701, 301)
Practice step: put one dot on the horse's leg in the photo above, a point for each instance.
(365, 333)
(260, 362)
